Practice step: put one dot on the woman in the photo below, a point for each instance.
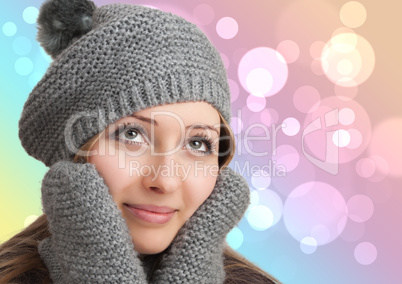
(132, 119)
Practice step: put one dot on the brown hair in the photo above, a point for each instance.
(20, 261)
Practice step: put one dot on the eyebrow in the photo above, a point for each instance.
(146, 119)
(202, 126)
(194, 126)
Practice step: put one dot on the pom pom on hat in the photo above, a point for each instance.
(110, 62)
(61, 22)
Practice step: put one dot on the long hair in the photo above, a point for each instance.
(20, 261)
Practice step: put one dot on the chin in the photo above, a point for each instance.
(149, 247)
(151, 241)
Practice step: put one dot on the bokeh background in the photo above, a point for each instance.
(317, 115)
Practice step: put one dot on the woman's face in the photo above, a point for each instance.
(160, 165)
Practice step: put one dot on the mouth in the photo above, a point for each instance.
(151, 213)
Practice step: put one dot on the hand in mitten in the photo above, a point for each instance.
(196, 253)
(90, 241)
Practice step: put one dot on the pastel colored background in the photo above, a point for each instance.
(317, 115)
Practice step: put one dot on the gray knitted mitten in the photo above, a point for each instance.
(90, 241)
(196, 254)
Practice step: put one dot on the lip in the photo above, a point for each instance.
(151, 213)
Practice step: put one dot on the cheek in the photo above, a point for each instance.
(197, 190)
(115, 173)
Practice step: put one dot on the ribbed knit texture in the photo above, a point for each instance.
(90, 241)
(134, 57)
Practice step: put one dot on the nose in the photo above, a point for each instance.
(164, 174)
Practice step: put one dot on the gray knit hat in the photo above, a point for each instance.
(110, 62)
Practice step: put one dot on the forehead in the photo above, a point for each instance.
(188, 112)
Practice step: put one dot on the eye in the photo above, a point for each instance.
(201, 145)
(197, 145)
(131, 134)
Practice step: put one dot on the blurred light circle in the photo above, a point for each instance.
(22, 45)
(344, 67)
(234, 90)
(261, 180)
(386, 142)
(286, 156)
(256, 103)
(347, 82)
(235, 238)
(345, 30)
(365, 167)
(238, 53)
(305, 23)
(316, 49)
(29, 220)
(348, 59)
(256, 64)
(306, 99)
(227, 28)
(353, 14)
(9, 29)
(30, 14)
(259, 81)
(290, 126)
(341, 138)
(356, 139)
(257, 128)
(308, 245)
(306, 172)
(23, 66)
(345, 42)
(269, 116)
(254, 197)
(346, 92)
(381, 169)
(334, 61)
(365, 253)
(373, 168)
(203, 14)
(289, 50)
(360, 208)
(316, 67)
(236, 124)
(272, 200)
(260, 218)
(380, 192)
(225, 60)
(315, 209)
(346, 116)
(320, 232)
(322, 133)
